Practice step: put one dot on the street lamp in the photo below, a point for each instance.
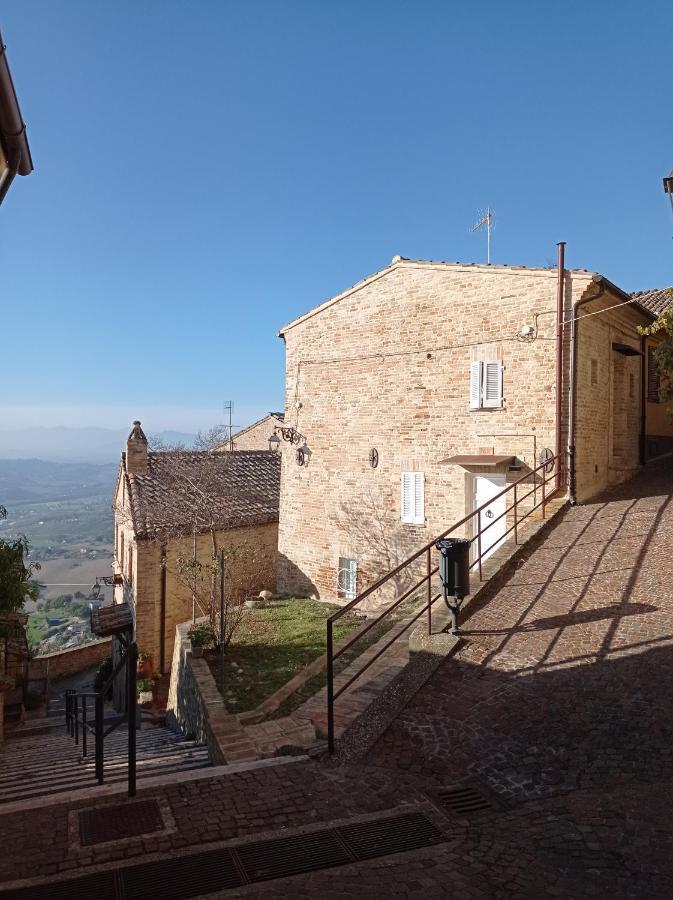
(274, 443)
(668, 187)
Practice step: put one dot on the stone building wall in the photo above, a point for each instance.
(253, 569)
(256, 437)
(609, 396)
(387, 367)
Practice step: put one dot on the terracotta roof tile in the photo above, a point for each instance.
(183, 488)
(655, 301)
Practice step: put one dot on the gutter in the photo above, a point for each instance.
(12, 128)
(603, 285)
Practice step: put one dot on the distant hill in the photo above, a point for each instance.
(74, 445)
(39, 481)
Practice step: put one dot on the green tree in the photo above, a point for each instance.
(16, 577)
(663, 355)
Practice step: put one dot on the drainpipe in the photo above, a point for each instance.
(643, 401)
(162, 612)
(559, 358)
(573, 387)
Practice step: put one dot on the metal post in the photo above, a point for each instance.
(330, 687)
(544, 482)
(67, 712)
(429, 570)
(516, 535)
(132, 672)
(99, 725)
(84, 729)
(222, 620)
(76, 720)
(479, 544)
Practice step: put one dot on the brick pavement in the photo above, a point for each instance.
(558, 699)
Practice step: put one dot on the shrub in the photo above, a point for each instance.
(201, 635)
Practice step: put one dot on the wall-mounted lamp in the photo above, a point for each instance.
(274, 443)
(668, 187)
(291, 435)
(303, 456)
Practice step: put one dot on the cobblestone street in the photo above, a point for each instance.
(558, 700)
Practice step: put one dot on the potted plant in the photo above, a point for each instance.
(144, 689)
(201, 636)
(145, 664)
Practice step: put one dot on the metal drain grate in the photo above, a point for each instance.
(179, 878)
(292, 855)
(112, 823)
(464, 800)
(408, 832)
(182, 877)
(101, 886)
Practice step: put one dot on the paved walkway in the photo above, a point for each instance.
(559, 700)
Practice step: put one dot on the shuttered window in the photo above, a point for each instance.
(652, 376)
(412, 502)
(486, 385)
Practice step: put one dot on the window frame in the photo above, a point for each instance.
(415, 515)
(347, 592)
(479, 382)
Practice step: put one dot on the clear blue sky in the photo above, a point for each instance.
(206, 171)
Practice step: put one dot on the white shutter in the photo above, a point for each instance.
(492, 394)
(419, 498)
(475, 385)
(407, 497)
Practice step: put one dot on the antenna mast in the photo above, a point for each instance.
(229, 407)
(485, 219)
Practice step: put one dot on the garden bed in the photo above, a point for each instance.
(272, 645)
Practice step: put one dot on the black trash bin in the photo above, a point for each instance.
(454, 573)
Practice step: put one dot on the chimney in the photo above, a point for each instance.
(136, 451)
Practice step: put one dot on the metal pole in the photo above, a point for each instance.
(76, 720)
(429, 570)
(222, 620)
(544, 482)
(516, 536)
(84, 726)
(560, 313)
(132, 669)
(479, 544)
(330, 687)
(100, 724)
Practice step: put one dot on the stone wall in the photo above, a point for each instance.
(195, 706)
(609, 396)
(387, 366)
(69, 662)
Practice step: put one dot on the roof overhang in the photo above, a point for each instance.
(13, 137)
(478, 459)
(625, 349)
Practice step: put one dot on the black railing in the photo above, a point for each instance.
(77, 716)
(551, 470)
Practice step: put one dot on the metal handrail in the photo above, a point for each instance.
(129, 661)
(556, 475)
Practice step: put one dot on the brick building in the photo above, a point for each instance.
(420, 392)
(255, 436)
(168, 505)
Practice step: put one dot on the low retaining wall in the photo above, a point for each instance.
(196, 708)
(69, 662)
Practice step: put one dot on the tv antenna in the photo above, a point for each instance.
(228, 407)
(486, 219)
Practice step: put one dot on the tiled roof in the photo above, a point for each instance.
(183, 488)
(107, 620)
(655, 301)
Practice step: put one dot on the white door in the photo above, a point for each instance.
(485, 487)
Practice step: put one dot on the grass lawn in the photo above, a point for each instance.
(272, 645)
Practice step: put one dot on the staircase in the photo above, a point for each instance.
(47, 764)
